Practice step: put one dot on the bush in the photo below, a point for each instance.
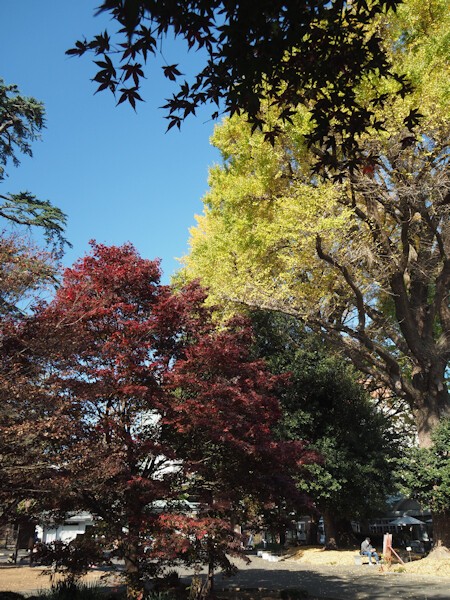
(73, 591)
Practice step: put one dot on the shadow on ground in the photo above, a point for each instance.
(338, 586)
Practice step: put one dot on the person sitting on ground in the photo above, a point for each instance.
(368, 550)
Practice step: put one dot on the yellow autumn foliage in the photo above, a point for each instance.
(256, 243)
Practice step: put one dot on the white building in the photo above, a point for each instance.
(74, 525)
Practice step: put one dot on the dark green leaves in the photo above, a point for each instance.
(21, 121)
(426, 471)
(25, 209)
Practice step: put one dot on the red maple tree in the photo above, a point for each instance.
(150, 404)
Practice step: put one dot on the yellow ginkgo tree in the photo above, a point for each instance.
(364, 261)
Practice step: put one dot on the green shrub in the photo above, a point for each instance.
(159, 595)
(73, 591)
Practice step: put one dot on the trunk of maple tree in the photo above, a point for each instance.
(210, 581)
(207, 588)
(135, 590)
(134, 587)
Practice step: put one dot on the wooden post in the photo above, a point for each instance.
(387, 548)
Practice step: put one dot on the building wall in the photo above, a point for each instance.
(67, 531)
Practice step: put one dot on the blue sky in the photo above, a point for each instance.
(115, 173)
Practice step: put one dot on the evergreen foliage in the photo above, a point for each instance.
(324, 403)
(21, 121)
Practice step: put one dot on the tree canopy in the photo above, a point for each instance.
(141, 404)
(284, 54)
(426, 476)
(364, 261)
(21, 121)
(322, 397)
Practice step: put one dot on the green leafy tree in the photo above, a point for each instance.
(25, 271)
(426, 477)
(285, 54)
(324, 403)
(21, 121)
(24, 268)
(366, 262)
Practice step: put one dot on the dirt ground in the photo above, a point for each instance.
(434, 564)
(26, 579)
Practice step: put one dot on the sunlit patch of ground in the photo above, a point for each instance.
(27, 579)
(313, 555)
(434, 564)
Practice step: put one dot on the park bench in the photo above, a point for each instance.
(361, 559)
(268, 556)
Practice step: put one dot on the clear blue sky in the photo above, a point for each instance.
(115, 173)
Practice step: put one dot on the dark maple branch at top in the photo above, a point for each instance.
(285, 53)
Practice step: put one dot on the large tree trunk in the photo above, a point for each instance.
(282, 535)
(441, 530)
(338, 531)
(430, 404)
(329, 524)
(426, 418)
(435, 405)
(135, 588)
(312, 532)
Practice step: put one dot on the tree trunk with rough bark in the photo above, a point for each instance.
(135, 588)
(313, 531)
(430, 403)
(441, 530)
(434, 406)
(338, 531)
